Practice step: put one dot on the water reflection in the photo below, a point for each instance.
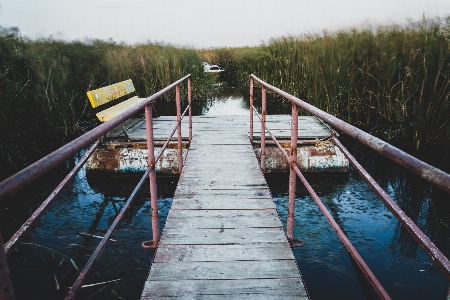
(46, 264)
(401, 266)
(228, 102)
(42, 267)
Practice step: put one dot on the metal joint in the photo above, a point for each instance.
(153, 244)
(295, 243)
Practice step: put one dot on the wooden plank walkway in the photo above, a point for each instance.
(223, 237)
(280, 125)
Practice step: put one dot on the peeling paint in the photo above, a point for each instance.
(120, 161)
(125, 158)
(320, 157)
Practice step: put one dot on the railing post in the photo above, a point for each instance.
(263, 128)
(251, 109)
(152, 174)
(6, 291)
(292, 174)
(190, 107)
(178, 100)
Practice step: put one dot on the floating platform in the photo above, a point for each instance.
(119, 156)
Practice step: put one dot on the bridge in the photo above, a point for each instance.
(223, 236)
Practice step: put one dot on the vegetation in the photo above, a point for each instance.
(43, 84)
(391, 81)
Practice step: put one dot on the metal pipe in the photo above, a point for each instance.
(166, 143)
(6, 289)
(425, 171)
(190, 108)
(436, 256)
(274, 140)
(299, 142)
(348, 245)
(263, 128)
(45, 164)
(251, 110)
(101, 246)
(98, 251)
(292, 176)
(180, 157)
(152, 174)
(38, 213)
(350, 248)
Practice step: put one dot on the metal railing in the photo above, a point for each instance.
(44, 165)
(423, 170)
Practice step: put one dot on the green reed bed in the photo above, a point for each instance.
(43, 84)
(391, 81)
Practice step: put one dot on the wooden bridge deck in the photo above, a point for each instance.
(223, 236)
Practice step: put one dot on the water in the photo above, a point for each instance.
(401, 266)
(42, 264)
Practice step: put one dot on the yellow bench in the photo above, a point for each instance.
(112, 92)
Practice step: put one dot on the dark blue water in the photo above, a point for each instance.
(401, 266)
(46, 264)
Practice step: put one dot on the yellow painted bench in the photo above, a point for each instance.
(112, 92)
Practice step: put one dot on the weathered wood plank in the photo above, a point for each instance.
(175, 253)
(237, 296)
(223, 219)
(213, 179)
(183, 270)
(111, 92)
(221, 236)
(286, 288)
(254, 193)
(221, 203)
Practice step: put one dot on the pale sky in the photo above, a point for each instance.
(204, 24)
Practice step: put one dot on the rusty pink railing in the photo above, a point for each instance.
(44, 165)
(423, 170)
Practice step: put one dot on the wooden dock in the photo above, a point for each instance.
(118, 156)
(223, 237)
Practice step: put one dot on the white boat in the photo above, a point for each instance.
(212, 68)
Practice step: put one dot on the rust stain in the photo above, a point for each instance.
(315, 151)
(105, 160)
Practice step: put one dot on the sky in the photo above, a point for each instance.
(205, 24)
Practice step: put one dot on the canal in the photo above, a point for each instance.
(46, 264)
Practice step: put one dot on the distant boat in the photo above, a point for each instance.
(212, 68)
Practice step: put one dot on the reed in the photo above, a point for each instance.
(43, 84)
(391, 81)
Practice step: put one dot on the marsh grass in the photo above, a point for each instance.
(43, 102)
(391, 81)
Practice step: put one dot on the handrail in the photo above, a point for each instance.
(38, 213)
(411, 163)
(155, 226)
(427, 172)
(290, 226)
(39, 168)
(42, 166)
(433, 252)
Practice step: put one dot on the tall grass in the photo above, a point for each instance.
(152, 67)
(43, 84)
(391, 81)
